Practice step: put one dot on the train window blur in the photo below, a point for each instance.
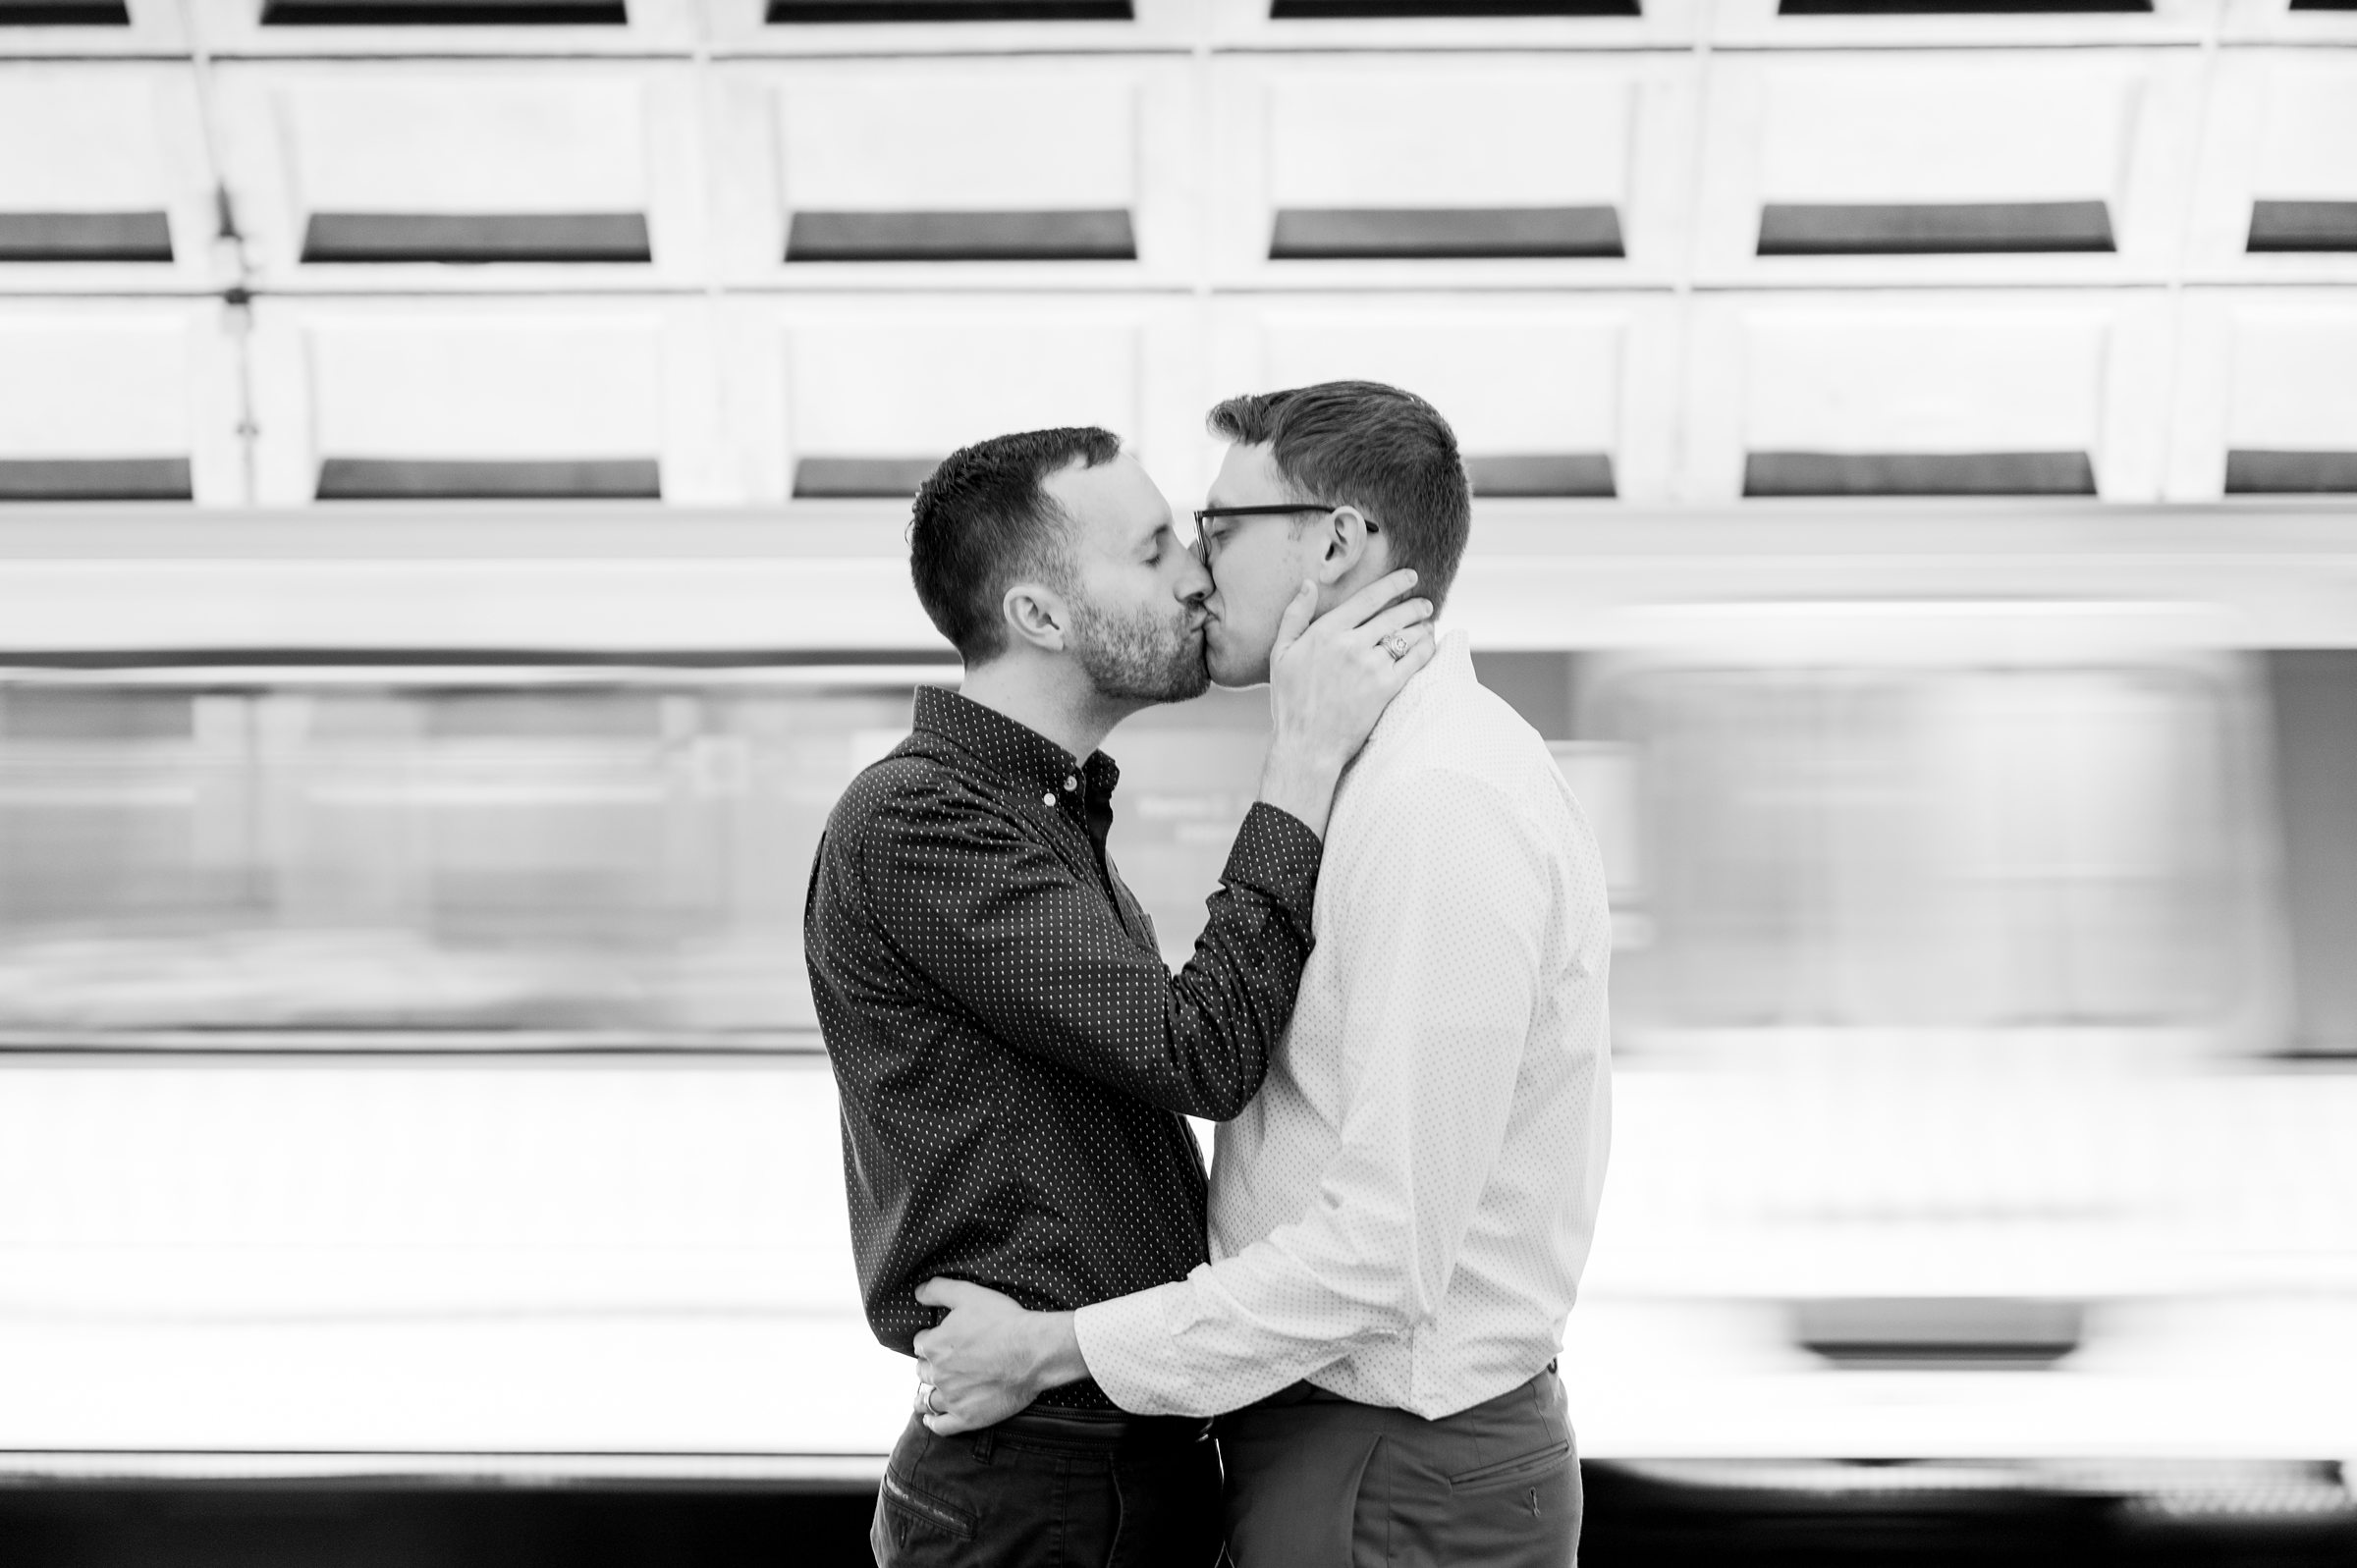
(1906, 848)
(621, 859)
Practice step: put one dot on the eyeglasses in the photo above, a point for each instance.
(1204, 514)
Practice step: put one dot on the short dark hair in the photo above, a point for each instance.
(983, 519)
(1375, 447)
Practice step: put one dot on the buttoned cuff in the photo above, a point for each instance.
(1277, 856)
(1133, 1356)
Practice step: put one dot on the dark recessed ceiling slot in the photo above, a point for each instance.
(85, 237)
(1953, 8)
(490, 479)
(1542, 473)
(2324, 5)
(64, 14)
(1918, 473)
(1383, 10)
(444, 14)
(95, 479)
(2291, 473)
(1438, 234)
(889, 11)
(394, 236)
(2303, 226)
(1090, 235)
(1938, 1333)
(1949, 228)
(850, 478)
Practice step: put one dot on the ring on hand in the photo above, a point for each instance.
(1396, 645)
(925, 1392)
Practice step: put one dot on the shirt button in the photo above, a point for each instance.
(1071, 783)
(1047, 800)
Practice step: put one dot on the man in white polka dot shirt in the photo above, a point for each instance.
(1399, 1222)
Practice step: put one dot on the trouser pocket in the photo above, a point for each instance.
(923, 1509)
(1520, 1471)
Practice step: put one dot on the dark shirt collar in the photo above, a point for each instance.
(1016, 753)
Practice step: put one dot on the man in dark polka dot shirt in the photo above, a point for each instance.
(1014, 1060)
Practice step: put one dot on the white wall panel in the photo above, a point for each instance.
(1783, 24)
(2278, 197)
(441, 29)
(1929, 393)
(739, 26)
(1949, 167)
(1391, 171)
(133, 28)
(337, 161)
(1259, 24)
(137, 396)
(2267, 400)
(853, 396)
(949, 173)
(100, 161)
(1530, 384)
(494, 396)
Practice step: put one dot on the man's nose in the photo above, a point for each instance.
(1195, 585)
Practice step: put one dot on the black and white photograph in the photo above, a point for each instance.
(1177, 783)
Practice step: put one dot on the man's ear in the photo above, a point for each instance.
(1344, 544)
(1037, 615)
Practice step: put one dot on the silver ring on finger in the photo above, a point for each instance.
(924, 1397)
(1396, 645)
(932, 1409)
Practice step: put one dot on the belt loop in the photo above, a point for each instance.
(985, 1444)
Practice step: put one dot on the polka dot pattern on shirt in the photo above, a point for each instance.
(1014, 1060)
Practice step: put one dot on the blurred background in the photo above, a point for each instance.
(454, 456)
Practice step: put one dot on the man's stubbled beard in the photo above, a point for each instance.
(1139, 657)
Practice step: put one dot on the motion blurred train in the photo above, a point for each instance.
(410, 1064)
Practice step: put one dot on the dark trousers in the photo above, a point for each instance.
(1061, 1490)
(1317, 1481)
